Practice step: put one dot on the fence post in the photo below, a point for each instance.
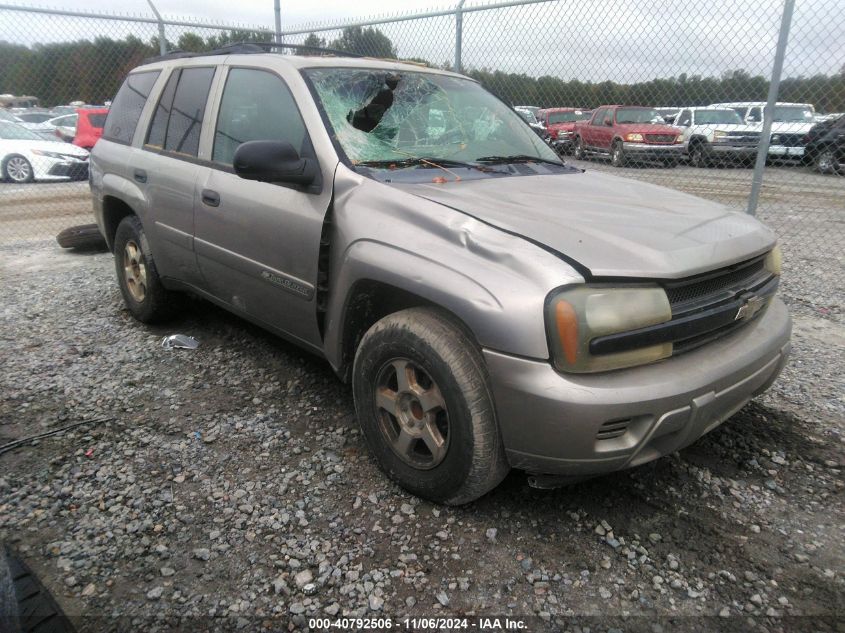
(162, 40)
(769, 111)
(278, 11)
(459, 34)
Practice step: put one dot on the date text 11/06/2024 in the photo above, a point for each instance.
(418, 624)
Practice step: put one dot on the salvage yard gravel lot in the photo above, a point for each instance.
(228, 487)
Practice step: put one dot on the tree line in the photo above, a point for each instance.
(92, 70)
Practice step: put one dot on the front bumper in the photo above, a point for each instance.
(652, 151)
(784, 151)
(553, 423)
(726, 150)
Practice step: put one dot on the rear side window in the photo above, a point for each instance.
(127, 105)
(177, 122)
(256, 105)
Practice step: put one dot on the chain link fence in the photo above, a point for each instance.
(672, 59)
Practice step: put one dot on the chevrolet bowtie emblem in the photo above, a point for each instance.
(749, 308)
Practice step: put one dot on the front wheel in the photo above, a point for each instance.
(144, 294)
(18, 169)
(826, 162)
(617, 155)
(423, 400)
(580, 153)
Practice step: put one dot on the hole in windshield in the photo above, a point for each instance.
(379, 116)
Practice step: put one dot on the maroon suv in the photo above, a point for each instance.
(628, 134)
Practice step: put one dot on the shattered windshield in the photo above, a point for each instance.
(379, 115)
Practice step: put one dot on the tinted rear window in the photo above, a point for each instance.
(97, 120)
(183, 129)
(127, 106)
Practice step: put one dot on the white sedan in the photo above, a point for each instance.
(25, 156)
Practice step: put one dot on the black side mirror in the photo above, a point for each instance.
(273, 161)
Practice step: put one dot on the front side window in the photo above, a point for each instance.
(127, 106)
(598, 119)
(256, 105)
(379, 115)
(793, 114)
(684, 119)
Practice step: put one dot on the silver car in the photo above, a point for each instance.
(492, 307)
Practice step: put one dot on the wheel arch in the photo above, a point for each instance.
(369, 300)
(114, 210)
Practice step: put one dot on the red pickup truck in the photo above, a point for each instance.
(628, 134)
(560, 124)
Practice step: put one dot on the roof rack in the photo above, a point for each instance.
(244, 48)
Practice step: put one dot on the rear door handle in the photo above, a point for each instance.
(140, 175)
(210, 198)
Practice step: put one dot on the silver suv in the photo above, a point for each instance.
(491, 306)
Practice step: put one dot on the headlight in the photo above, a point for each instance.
(577, 315)
(775, 140)
(719, 134)
(774, 260)
(679, 138)
(634, 137)
(39, 152)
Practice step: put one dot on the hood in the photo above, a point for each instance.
(727, 127)
(614, 227)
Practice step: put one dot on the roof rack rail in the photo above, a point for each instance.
(243, 48)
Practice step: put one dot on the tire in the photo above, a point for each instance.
(825, 161)
(463, 457)
(697, 156)
(18, 169)
(579, 151)
(25, 604)
(86, 236)
(617, 154)
(145, 296)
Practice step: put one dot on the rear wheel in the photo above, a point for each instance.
(617, 154)
(144, 294)
(423, 400)
(18, 169)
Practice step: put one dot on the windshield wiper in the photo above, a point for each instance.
(517, 158)
(429, 161)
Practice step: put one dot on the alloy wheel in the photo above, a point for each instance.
(18, 169)
(135, 271)
(412, 414)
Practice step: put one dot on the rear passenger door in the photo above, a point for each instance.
(167, 168)
(258, 243)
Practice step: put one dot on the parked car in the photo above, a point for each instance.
(560, 125)
(532, 109)
(25, 156)
(61, 127)
(35, 116)
(6, 115)
(716, 134)
(491, 306)
(89, 126)
(668, 113)
(790, 124)
(628, 134)
(531, 120)
(825, 146)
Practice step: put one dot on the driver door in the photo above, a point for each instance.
(257, 243)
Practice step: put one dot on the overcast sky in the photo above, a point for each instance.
(621, 40)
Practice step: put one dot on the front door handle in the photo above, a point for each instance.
(140, 175)
(210, 198)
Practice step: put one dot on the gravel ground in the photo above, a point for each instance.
(231, 489)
